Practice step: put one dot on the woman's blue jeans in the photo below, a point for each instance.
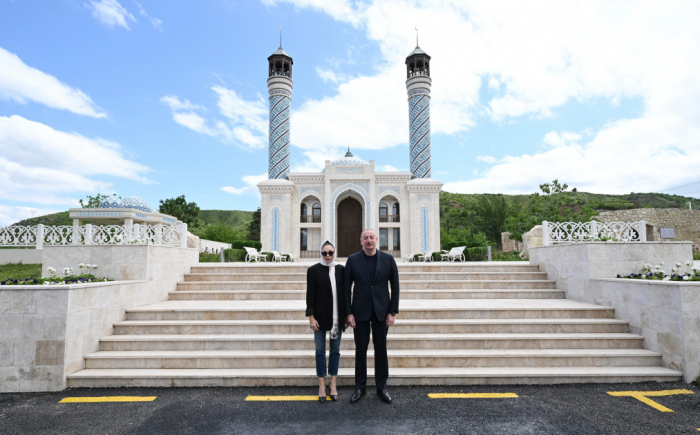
(333, 360)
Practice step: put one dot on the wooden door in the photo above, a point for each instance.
(349, 224)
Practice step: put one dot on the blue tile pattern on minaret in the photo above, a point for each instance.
(279, 137)
(419, 127)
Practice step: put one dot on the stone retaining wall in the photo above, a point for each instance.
(46, 331)
(685, 222)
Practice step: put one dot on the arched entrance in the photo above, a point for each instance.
(349, 227)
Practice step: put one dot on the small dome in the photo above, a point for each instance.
(137, 203)
(348, 160)
(112, 202)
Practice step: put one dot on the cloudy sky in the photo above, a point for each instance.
(161, 99)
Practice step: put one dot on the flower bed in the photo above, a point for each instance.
(680, 272)
(66, 277)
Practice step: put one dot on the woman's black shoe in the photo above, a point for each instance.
(322, 399)
(334, 397)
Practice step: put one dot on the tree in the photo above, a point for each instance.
(490, 216)
(94, 201)
(181, 209)
(220, 232)
(254, 227)
(546, 205)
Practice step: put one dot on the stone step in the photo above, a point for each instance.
(104, 378)
(396, 341)
(233, 359)
(402, 326)
(410, 309)
(224, 295)
(404, 276)
(265, 269)
(405, 285)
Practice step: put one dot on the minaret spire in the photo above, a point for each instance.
(418, 87)
(279, 85)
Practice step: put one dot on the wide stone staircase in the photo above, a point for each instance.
(471, 323)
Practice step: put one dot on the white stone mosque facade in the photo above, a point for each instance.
(302, 209)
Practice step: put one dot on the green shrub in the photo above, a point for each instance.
(436, 256)
(231, 255)
(696, 255)
(240, 244)
(268, 256)
(476, 254)
(506, 256)
(206, 257)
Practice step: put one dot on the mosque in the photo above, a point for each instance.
(302, 209)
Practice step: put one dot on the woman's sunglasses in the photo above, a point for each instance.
(328, 254)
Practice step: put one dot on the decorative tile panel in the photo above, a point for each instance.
(304, 189)
(425, 228)
(278, 154)
(275, 228)
(419, 120)
(350, 170)
(395, 189)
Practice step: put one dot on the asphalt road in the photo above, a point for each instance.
(559, 409)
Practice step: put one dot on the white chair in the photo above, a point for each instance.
(426, 256)
(254, 255)
(454, 254)
(408, 258)
(278, 257)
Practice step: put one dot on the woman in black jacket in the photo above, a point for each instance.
(326, 312)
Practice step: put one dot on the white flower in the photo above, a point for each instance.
(687, 263)
(668, 278)
(662, 263)
(673, 269)
(678, 265)
(47, 283)
(51, 269)
(81, 265)
(686, 277)
(94, 266)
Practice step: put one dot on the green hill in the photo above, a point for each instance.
(237, 219)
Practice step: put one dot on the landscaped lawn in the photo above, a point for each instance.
(19, 271)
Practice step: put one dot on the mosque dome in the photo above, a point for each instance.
(137, 203)
(111, 202)
(130, 202)
(348, 160)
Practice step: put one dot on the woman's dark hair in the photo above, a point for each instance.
(327, 244)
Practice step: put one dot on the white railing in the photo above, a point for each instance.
(568, 232)
(63, 235)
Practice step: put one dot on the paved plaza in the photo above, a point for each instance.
(556, 409)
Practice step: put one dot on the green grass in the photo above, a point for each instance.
(19, 271)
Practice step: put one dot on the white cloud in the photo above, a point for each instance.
(486, 159)
(536, 58)
(20, 83)
(12, 214)
(111, 13)
(155, 22)
(176, 103)
(328, 75)
(246, 124)
(251, 187)
(43, 165)
(341, 10)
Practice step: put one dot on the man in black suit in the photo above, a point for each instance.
(371, 308)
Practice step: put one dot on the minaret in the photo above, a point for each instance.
(279, 84)
(418, 87)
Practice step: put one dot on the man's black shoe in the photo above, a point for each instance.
(357, 395)
(384, 395)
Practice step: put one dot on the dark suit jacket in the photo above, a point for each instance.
(367, 294)
(319, 295)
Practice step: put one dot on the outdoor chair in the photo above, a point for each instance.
(408, 258)
(454, 254)
(278, 257)
(426, 256)
(254, 255)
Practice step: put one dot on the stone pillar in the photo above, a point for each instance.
(275, 226)
(424, 199)
(418, 87)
